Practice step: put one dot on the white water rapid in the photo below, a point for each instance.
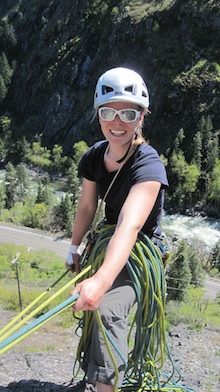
(193, 229)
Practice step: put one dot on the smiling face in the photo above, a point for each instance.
(118, 132)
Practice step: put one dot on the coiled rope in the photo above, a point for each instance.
(146, 338)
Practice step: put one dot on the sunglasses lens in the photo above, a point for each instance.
(107, 114)
(128, 115)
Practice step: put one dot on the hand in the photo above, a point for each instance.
(75, 267)
(91, 292)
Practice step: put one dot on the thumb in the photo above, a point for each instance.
(76, 290)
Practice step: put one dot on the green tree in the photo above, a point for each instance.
(206, 128)
(22, 149)
(212, 152)
(2, 150)
(197, 149)
(6, 133)
(73, 183)
(191, 174)
(3, 89)
(79, 149)
(39, 156)
(5, 69)
(195, 265)
(2, 197)
(10, 185)
(215, 256)
(183, 179)
(44, 195)
(65, 212)
(40, 197)
(59, 161)
(177, 173)
(36, 216)
(179, 276)
(7, 35)
(178, 141)
(47, 196)
(214, 184)
(23, 182)
(57, 152)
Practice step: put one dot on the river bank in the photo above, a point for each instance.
(201, 232)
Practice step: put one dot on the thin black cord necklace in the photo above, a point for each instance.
(123, 158)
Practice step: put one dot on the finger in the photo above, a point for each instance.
(80, 305)
(76, 290)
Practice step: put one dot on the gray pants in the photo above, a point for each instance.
(114, 311)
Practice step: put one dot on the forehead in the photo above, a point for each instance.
(121, 105)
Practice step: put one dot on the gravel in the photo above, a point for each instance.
(43, 361)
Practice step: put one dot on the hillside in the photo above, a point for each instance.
(56, 51)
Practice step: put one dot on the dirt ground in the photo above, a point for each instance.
(43, 361)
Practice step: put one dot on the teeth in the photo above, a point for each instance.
(117, 132)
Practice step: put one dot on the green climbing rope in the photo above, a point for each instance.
(147, 337)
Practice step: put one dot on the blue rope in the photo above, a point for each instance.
(25, 331)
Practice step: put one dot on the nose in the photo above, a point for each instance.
(117, 118)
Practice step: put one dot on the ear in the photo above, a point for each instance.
(141, 119)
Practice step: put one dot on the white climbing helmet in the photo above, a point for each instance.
(121, 84)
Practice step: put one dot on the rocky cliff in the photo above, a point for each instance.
(57, 49)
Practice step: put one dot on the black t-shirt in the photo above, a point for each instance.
(144, 165)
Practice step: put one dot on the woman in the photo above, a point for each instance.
(134, 203)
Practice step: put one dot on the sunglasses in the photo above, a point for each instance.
(126, 115)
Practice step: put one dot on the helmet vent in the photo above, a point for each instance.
(144, 94)
(106, 89)
(129, 89)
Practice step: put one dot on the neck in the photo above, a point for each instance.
(112, 154)
(124, 156)
(110, 160)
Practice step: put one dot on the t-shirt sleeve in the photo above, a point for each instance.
(85, 168)
(92, 159)
(148, 167)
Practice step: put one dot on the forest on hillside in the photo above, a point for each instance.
(51, 55)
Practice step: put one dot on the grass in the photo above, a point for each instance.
(196, 311)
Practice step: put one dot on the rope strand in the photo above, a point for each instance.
(146, 337)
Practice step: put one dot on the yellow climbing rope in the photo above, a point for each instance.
(146, 338)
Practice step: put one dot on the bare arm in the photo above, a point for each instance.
(133, 215)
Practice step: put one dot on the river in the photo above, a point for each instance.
(197, 230)
(194, 229)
